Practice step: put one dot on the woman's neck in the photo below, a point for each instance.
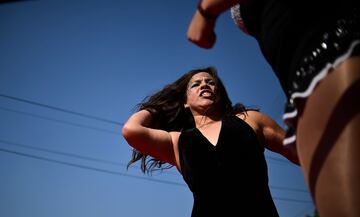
(206, 119)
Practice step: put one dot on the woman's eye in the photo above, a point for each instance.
(195, 85)
(211, 83)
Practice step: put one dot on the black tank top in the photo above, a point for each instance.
(229, 179)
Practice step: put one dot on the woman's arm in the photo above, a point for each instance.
(139, 133)
(273, 135)
(201, 28)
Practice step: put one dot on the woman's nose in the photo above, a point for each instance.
(204, 84)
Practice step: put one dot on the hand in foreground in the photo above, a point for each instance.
(201, 30)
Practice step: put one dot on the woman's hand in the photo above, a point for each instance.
(140, 134)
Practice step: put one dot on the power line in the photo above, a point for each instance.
(91, 158)
(117, 173)
(88, 167)
(61, 109)
(57, 120)
(61, 153)
(64, 153)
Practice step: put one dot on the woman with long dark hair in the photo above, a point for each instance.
(218, 148)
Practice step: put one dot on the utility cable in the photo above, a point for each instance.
(61, 153)
(119, 173)
(61, 109)
(57, 120)
(64, 153)
(87, 167)
(96, 160)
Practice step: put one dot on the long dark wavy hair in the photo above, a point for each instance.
(169, 114)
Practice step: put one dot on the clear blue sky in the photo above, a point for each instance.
(70, 74)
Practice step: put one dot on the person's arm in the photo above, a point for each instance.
(273, 135)
(139, 133)
(201, 28)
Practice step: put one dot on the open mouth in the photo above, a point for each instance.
(206, 93)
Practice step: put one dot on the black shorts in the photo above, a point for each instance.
(337, 44)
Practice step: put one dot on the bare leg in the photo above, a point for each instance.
(328, 141)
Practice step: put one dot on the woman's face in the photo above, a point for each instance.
(200, 91)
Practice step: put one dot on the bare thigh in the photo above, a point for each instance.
(328, 141)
